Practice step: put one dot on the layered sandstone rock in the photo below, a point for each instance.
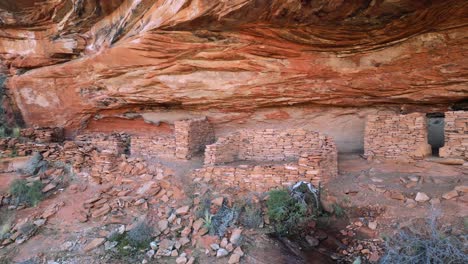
(72, 62)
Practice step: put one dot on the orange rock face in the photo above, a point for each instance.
(71, 62)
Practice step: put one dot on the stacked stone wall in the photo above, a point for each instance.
(192, 136)
(456, 135)
(116, 143)
(153, 146)
(225, 150)
(396, 136)
(274, 145)
(263, 145)
(295, 155)
(43, 134)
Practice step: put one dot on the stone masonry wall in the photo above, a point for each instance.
(396, 136)
(263, 145)
(297, 155)
(192, 136)
(274, 145)
(225, 150)
(456, 135)
(153, 146)
(116, 143)
(43, 134)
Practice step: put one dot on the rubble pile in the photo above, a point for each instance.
(117, 143)
(26, 228)
(43, 134)
(78, 154)
(13, 147)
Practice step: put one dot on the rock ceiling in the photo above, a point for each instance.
(69, 60)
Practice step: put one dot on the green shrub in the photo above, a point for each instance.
(130, 243)
(10, 132)
(140, 236)
(338, 210)
(208, 220)
(288, 215)
(28, 194)
(14, 153)
(4, 229)
(16, 132)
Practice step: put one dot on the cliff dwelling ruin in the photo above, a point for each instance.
(243, 131)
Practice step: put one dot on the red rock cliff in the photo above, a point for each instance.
(71, 61)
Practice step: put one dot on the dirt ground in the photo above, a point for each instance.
(381, 192)
(365, 183)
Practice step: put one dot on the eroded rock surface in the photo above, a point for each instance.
(71, 62)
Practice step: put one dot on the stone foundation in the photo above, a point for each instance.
(287, 157)
(456, 135)
(396, 136)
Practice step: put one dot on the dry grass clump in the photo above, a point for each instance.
(425, 244)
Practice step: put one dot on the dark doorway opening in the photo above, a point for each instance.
(435, 131)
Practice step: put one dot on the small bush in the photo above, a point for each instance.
(26, 194)
(129, 244)
(4, 229)
(14, 153)
(16, 132)
(251, 216)
(338, 210)
(208, 220)
(428, 244)
(223, 219)
(288, 215)
(10, 132)
(140, 236)
(205, 204)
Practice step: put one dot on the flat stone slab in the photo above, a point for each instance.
(13, 164)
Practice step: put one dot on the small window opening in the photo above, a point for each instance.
(435, 129)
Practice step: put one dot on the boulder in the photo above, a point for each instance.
(221, 253)
(450, 195)
(94, 244)
(421, 197)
